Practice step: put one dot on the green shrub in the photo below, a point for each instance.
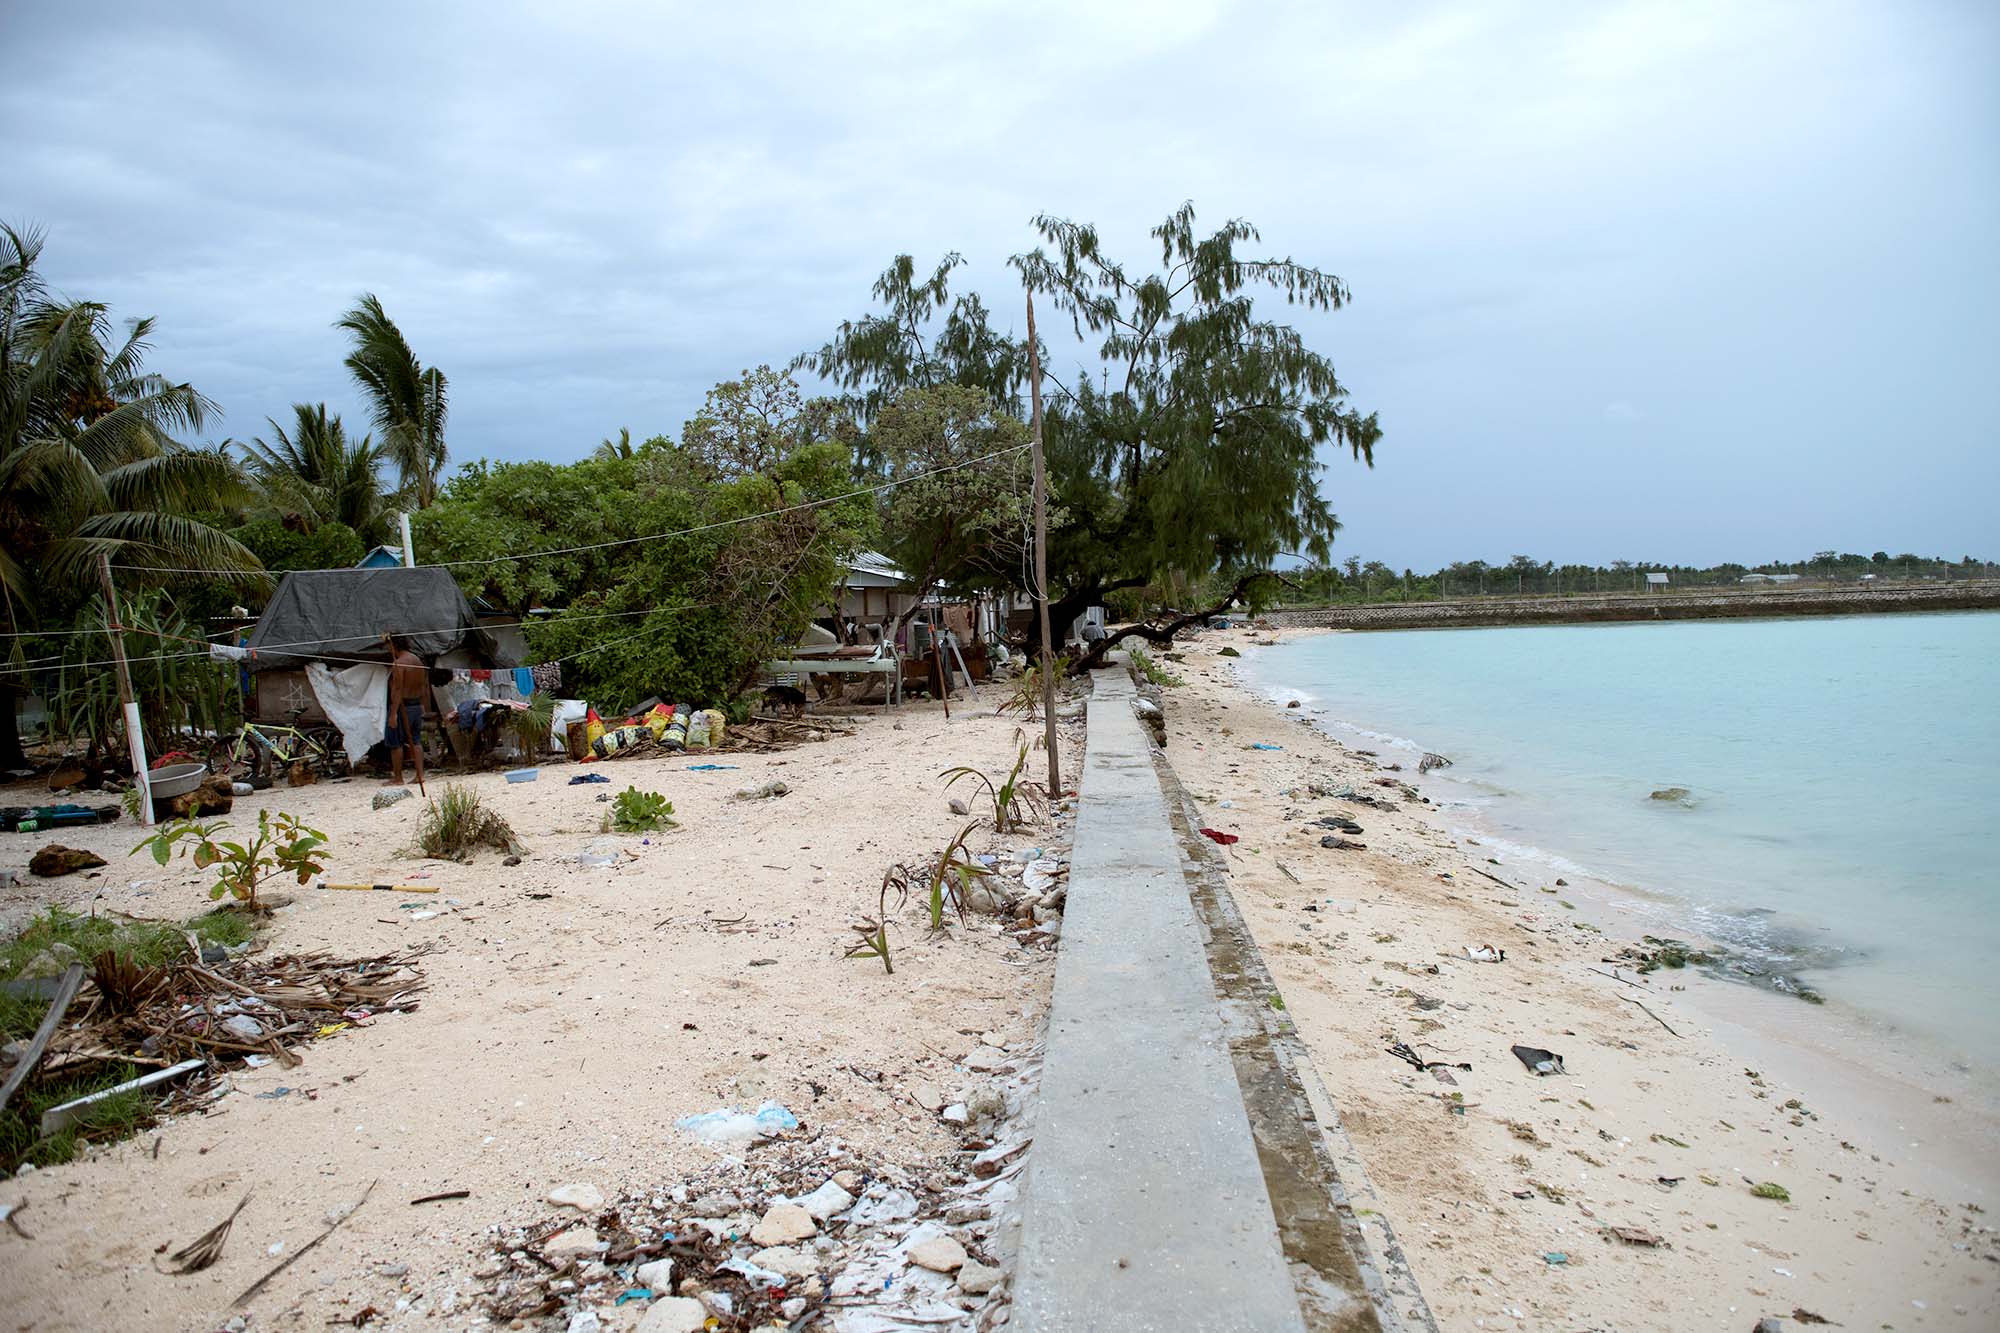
(635, 811)
(456, 823)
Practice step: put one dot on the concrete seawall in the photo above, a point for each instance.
(1982, 594)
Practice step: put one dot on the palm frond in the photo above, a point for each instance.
(181, 480)
(171, 543)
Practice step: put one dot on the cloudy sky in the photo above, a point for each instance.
(1663, 281)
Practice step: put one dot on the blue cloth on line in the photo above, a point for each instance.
(524, 681)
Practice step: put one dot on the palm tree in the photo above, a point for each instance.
(611, 450)
(316, 475)
(407, 401)
(89, 462)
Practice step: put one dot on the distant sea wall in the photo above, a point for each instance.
(1707, 604)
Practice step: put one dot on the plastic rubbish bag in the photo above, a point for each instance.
(729, 1124)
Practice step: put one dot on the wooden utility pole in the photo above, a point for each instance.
(1042, 558)
(135, 736)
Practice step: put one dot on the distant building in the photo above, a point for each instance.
(1769, 578)
(382, 557)
(1654, 581)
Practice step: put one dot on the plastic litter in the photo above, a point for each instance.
(522, 774)
(1220, 838)
(1261, 745)
(763, 793)
(729, 1124)
(708, 768)
(582, 778)
(1541, 1062)
(1486, 953)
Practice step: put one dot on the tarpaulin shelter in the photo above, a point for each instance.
(317, 651)
(339, 616)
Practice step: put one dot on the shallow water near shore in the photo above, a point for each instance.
(1841, 774)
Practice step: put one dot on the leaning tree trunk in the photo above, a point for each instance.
(1160, 635)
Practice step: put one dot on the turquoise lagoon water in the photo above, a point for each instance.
(1844, 777)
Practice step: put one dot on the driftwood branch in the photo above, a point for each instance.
(66, 990)
(1650, 1014)
(302, 1251)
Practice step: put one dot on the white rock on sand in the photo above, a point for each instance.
(828, 1201)
(783, 1224)
(673, 1314)
(582, 1197)
(940, 1254)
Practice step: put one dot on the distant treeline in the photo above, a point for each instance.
(1358, 580)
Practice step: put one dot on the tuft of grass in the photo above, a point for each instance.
(1771, 1189)
(1026, 696)
(455, 824)
(73, 936)
(1154, 672)
(21, 1139)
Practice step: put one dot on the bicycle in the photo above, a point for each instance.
(263, 745)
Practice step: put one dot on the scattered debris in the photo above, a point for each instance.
(1402, 1051)
(205, 1249)
(388, 796)
(1485, 953)
(56, 860)
(1220, 838)
(763, 793)
(1337, 843)
(1636, 1236)
(1771, 1189)
(251, 1291)
(730, 1125)
(1540, 1062)
(1431, 761)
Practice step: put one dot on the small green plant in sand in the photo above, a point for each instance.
(1153, 671)
(1016, 802)
(948, 883)
(874, 931)
(1026, 696)
(456, 823)
(284, 846)
(21, 1141)
(1771, 1189)
(635, 811)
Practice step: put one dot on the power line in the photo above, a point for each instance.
(876, 489)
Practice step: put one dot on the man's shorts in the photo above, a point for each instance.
(406, 724)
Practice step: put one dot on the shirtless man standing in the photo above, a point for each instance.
(408, 678)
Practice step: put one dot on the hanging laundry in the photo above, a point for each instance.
(548, 676)
(481, 674)
(524, 681)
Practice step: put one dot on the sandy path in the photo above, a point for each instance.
(560, 1036)
(1861, 1241)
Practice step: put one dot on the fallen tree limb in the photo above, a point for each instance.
(1159, 635)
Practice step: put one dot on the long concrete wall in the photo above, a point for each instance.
(1980, 594)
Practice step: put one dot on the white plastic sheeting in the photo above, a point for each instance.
(355, 699)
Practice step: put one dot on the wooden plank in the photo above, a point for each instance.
(66, 990)
(56, 1117)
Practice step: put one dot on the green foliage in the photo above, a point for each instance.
(282, 846)
(635, 811)
(874, 931)
(456, 823)
(1194, 449)
(688, 615)
(316, 476)
(21, 1139)
(89, 462)
(331, 545)
(965, 520)
(1152, 670)
(175, 690)
(1770, 1189)
(1025, 697)
(531, 725)
(61, 934)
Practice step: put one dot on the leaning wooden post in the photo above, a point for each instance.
(1042, 558)
(134, 734)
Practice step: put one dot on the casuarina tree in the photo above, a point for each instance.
(1193, 448)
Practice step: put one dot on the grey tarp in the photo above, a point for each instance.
(319, 614)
